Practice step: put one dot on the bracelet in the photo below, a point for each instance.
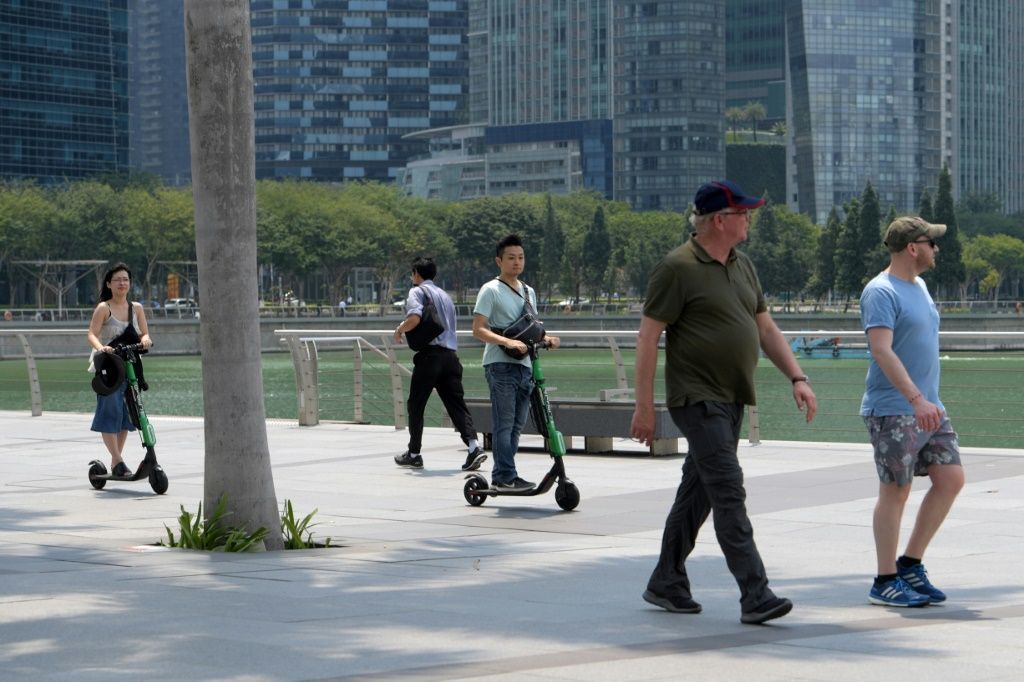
(802, 377)
(916, 396)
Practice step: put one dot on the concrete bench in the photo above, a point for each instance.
(598, 422)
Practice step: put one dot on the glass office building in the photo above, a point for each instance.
(622, 98)
(159, 99)
(991, 98)
(755, 55)
(871, 95)
(338, 83)
(669, 75)
(63, 88)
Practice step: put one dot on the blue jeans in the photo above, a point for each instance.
(511, 385)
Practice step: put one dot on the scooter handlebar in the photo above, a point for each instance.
(129, 348)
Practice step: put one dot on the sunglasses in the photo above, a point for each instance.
(929, 242)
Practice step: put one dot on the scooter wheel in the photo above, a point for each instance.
(567, 496)
(158, 481)
(97, 470)
(474, 484)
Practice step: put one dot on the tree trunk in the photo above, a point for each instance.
(221, 125)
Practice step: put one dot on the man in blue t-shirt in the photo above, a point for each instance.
(909, 428)
(499, 303)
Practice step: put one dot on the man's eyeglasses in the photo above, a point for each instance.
(929, 242)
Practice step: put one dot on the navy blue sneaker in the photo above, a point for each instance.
(917, 578)
(896, 592)
(516, 485)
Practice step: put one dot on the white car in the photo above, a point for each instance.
(176, 304)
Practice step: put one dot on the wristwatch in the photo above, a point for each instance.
(802, 377)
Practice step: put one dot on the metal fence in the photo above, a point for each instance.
(364, 378)
(360, 376)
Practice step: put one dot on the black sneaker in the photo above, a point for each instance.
(474, 460)
(515, 485)
(673, 604)
(121, 471)
(407, 459)
(773, 608)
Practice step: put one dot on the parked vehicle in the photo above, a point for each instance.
(174, 304)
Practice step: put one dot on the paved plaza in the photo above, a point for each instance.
(422, 586)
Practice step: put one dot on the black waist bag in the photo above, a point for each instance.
(527, 329)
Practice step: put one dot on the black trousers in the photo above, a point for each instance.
(712, 483)
(437, 368)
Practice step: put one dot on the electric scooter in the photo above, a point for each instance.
(567, 495)
(148, 468)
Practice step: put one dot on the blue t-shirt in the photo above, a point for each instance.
(501, 306)
(908, 310)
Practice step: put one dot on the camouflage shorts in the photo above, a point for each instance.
(903, 451)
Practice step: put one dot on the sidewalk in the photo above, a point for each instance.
(426, 587)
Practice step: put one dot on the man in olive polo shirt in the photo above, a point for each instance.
(706, 297)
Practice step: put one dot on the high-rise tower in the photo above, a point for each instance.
(871, 96)
(63, 89)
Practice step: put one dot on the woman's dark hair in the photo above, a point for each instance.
(425, 267)
(511, 240)
(105, 293)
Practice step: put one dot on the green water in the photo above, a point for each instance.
(983, 392)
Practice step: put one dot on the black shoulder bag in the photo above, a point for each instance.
(527, 328)
(131, 336)
(430, 327)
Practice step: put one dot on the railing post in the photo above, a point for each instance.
(357, 381)
(33, 377)
(397, 398)
(620, 368)
(306, 390)
(753, 426)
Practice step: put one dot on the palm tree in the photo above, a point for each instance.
(221, 125)
(734, 116)
(755, 112)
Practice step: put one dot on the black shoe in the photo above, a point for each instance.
(515, 485)
(407, 459)
(474, 460)
(121, 471)
(673, 604)
(773, 608)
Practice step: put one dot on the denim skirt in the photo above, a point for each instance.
(111, 413)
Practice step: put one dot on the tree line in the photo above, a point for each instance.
(981, 254)
(578, 245)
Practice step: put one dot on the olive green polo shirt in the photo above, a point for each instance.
(712, 343)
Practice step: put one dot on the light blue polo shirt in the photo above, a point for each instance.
(908, 310)
(501, 306)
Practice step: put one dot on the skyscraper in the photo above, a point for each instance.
(669, 75)
(159, 102)
(755, 55)
(872, 99)
(623, 98)
(63, 88)
(991, 98)
(339, 82)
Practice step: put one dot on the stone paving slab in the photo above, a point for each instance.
(425, 587)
